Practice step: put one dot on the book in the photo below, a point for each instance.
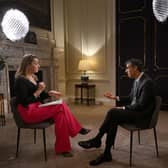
(51, 103)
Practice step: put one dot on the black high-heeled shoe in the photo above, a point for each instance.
(84, 131)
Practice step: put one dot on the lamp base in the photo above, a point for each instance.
(84, 79)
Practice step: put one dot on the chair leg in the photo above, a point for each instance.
(2, 118)
(35, 136)
(44, 140)
(156, 144)
(4, 121)
(139, 138)
(18, 140)
(131, 140)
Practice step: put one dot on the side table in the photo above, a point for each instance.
(85, 93)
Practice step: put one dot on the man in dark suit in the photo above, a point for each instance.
(138, 111)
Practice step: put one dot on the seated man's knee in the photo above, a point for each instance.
(111, 112)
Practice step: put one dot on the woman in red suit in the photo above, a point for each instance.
(30, 94)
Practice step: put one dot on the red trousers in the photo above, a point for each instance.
(65, 123)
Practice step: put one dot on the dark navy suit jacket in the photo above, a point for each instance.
(145, 98)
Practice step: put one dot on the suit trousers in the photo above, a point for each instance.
(65, 123)
(111, 121)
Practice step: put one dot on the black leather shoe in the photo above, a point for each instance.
(100, 159)
(84, 131)
(90, 143)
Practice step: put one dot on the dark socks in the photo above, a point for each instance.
(99, 136)
(107, 151)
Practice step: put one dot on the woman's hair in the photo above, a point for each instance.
(26, 61)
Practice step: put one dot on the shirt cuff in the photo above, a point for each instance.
(117, 98)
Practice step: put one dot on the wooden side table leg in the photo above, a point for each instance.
(88, 91)
(76, 94)
(81, 95)
(94, 95)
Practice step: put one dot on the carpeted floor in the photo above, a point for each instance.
(31, 155)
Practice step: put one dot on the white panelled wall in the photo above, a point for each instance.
(81, 29)
(85, 29)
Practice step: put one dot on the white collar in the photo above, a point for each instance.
(137, 80)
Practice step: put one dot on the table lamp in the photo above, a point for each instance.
(84, 65)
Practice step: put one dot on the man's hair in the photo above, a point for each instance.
(135, 62)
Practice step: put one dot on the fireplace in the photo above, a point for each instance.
(43, 75)
(12, 80)
(14, 53)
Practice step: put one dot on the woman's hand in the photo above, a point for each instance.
(54, 93)
(110, 96)
(41, 87)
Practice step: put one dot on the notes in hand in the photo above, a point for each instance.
(51, 103)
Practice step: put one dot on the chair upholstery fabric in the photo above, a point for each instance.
(151, 125)
(21, 124)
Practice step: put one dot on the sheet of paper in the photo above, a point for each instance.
(51, 103)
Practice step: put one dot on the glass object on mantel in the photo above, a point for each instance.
(15, 25)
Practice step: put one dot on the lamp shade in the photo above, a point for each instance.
(84, 65)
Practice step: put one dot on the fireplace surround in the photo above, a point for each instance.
(13, 52)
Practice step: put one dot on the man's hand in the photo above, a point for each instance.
(119, 108)
(110, 96)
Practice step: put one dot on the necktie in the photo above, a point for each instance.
(134, 92)
(135, 87)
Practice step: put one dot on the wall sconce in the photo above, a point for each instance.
(84, 65)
